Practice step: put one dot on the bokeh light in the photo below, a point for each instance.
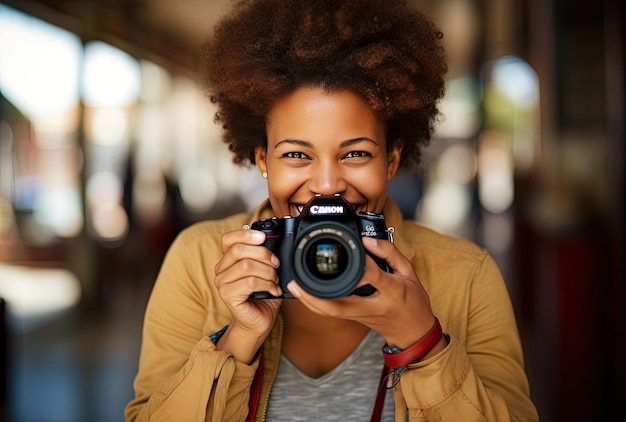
(111, 77)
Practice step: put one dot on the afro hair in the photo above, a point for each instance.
(389, 54)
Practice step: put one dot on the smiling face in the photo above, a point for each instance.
(325, 143)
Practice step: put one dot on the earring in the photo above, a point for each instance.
(264, 174)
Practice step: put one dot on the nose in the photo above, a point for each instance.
(327, 179)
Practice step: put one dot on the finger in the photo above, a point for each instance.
(241, 251)
(248, 237)
(346, 307)
(387, 251)
(243, 268)
(307, 299)
(248, 276)
(240, 290)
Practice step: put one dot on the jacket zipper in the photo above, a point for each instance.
(267, 397)
(269, 391)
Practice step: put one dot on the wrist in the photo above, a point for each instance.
(443, 342)
(240, 345)
(218, 334)
(427, 346)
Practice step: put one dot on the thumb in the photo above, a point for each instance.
(387, 251)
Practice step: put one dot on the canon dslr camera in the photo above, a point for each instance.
(321, 248)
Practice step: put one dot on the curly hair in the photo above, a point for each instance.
(390, 55)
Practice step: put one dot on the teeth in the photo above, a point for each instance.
(298, 208)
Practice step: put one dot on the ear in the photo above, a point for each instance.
(260, 153)
(393, 160)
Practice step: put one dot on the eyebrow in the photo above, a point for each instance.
(308, 144)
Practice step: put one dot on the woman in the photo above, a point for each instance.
(328, 97)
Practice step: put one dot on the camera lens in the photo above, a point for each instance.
(326, 259)
(329, 260)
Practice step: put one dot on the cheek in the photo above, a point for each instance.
(280, 190)
(370, 182)
(281, 187)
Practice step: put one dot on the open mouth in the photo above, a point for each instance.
(296, 209)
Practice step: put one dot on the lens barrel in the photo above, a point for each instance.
(328, 259)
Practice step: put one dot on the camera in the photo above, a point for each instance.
(321, 248)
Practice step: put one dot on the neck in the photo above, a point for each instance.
(314, 343)
(299, 318)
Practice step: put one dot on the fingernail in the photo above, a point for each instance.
(275, 261)
(257, 236)
(294, 289)
(372, 241)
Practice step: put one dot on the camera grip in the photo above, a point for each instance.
(278, 238)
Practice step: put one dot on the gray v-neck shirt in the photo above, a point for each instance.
(347, 393)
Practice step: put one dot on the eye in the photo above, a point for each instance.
(295, 155)
(357, 154)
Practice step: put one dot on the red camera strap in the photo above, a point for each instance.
(377, 411)
(255, 392)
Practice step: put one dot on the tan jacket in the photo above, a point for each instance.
(479, 376)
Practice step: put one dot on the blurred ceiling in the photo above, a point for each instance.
(166, 31)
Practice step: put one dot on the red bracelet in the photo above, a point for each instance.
(415, 352)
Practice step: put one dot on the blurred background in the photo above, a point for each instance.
(108, 149)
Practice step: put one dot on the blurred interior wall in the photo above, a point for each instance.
(570, 232)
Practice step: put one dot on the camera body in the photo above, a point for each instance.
(321, 248)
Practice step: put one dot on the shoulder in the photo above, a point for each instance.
(212, 229)
(461, 278)
(186, 277)
(426, 241)
(199, 245)
(448, 265)
(417, 241)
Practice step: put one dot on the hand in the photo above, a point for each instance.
(399, 310)
(247, 267)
